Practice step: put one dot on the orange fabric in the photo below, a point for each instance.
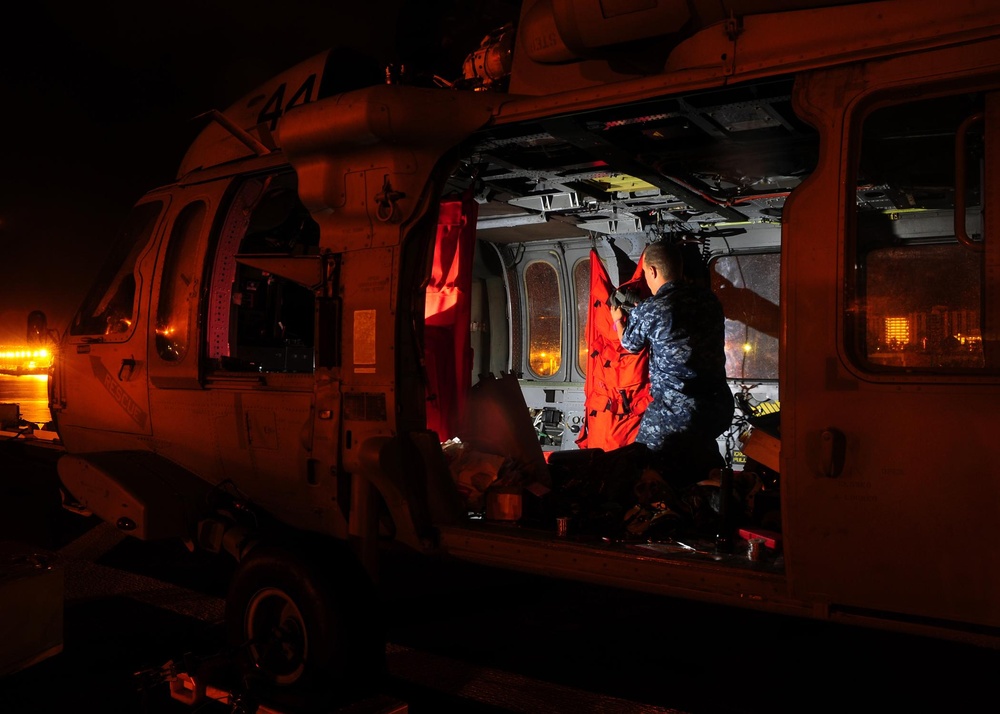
(617, 385)
(447, 313)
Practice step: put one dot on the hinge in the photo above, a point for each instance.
(733, 26)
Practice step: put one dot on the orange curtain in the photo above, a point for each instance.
(447, 314)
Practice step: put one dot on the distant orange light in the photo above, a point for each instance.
(897, 331)
(19, 360)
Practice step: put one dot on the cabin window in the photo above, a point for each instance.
(545, 323)
(179, 287)
(918, 286)
(581, 285)
(747, 285)
(109, 308)
(262, 304)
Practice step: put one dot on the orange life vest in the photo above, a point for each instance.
(617, 385)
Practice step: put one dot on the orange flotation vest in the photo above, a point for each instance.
(617, 385)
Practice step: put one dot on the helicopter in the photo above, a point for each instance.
(362, 317)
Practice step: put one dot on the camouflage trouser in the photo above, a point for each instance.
(662, 420)
(681, 434)
(686, 457)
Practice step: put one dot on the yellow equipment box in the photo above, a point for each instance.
(762, 448)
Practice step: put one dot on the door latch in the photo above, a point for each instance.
(129, 364)
(833, 448)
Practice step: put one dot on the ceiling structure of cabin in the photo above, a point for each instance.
(724, 157)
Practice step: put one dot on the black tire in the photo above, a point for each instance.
(308, 637)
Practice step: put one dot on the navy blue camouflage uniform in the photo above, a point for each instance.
(684, 327)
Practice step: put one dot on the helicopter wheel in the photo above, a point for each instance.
(308, 640)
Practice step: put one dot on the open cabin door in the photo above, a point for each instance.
(890, 373)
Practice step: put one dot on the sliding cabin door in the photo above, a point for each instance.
(890, 368)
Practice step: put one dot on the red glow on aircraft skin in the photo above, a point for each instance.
(293, 329)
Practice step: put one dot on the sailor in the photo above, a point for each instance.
(683, 326)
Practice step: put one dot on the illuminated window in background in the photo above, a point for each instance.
(747, 286)
(897, 332)
(581, 285)
(108, 307)
(917, 291)
(176, 311)
(941, 327)
(541, 284)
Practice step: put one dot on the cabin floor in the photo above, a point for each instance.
(618, 509)
(763, 555)
(590, 502)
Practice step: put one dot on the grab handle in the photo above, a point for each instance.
(960, 231)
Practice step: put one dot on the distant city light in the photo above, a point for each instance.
(897, 331)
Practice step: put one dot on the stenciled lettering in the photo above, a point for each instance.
(275, 106)
(118, 393)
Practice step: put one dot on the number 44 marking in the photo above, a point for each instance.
(276, 106)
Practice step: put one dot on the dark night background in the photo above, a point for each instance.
(99, 101)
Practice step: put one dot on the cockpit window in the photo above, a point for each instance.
(181, 284)
(260, 318)
(581, 285)
(919, 297)
(541, 284)
(747, 285)
(109, 308)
